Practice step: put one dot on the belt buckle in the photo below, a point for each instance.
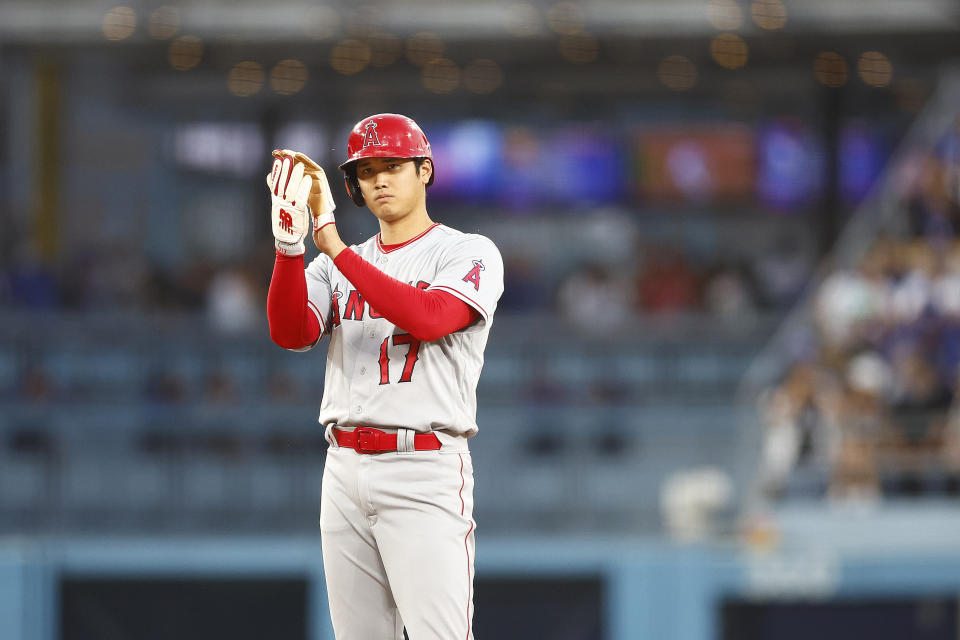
(365, 440)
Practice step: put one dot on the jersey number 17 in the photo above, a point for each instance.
(413, 354)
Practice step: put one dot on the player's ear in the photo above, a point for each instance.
(426, 170)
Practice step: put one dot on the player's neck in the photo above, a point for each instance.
(407, 227)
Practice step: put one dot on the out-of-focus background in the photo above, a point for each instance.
(719, 399)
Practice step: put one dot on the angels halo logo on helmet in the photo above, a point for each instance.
(371, 138)
(385, 135)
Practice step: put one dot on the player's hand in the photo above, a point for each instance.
(290, 210)
(321, 199)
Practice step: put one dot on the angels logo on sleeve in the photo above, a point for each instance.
(473, 276)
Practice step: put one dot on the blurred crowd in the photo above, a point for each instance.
(870, 409)
(867, 410)
(233, 294)
(665, 280)
(668, 282)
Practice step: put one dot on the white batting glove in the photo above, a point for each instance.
(290, 210)
(321, 200)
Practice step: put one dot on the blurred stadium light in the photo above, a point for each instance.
(83, 21)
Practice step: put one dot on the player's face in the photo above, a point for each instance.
(392, 187)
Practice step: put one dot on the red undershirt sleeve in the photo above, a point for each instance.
(426, 315)
(292, 324)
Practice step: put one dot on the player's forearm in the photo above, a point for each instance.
(327, 239)
(292, 324)
(426, 315)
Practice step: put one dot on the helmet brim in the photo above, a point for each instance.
(349, 167)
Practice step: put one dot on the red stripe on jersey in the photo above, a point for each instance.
(289, 171)
(323, 326)
(387, 248)
(466, 545)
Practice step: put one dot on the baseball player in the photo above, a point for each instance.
(408, 313)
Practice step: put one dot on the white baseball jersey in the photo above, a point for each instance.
(379, 375)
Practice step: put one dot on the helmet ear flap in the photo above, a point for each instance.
(353, 188)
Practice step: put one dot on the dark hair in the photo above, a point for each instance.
(418, 162)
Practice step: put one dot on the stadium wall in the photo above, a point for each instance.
(648, 589)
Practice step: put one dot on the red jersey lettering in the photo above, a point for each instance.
(355, 305)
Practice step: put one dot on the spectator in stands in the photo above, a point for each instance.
(949, 453)
(945, 308)
(855, 477)
(595, 299)
(852, 301)
(947, 353)
(781, 272)
(35, 384)
(932, 209)
(801, 418)
(899, 423)
(945, 294)
(904, 302)
(911, 295)
(865, 430)
(667, 283)
(233, 303)
(915, 383)
(919, 403)
(727, 292)
(220, 387)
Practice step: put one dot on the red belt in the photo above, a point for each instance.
(367, 440)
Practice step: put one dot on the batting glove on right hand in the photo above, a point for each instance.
(321, 200)
(290, 212)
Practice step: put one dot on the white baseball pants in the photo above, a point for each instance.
(397, 533)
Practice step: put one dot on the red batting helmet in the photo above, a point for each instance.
(385, 135)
